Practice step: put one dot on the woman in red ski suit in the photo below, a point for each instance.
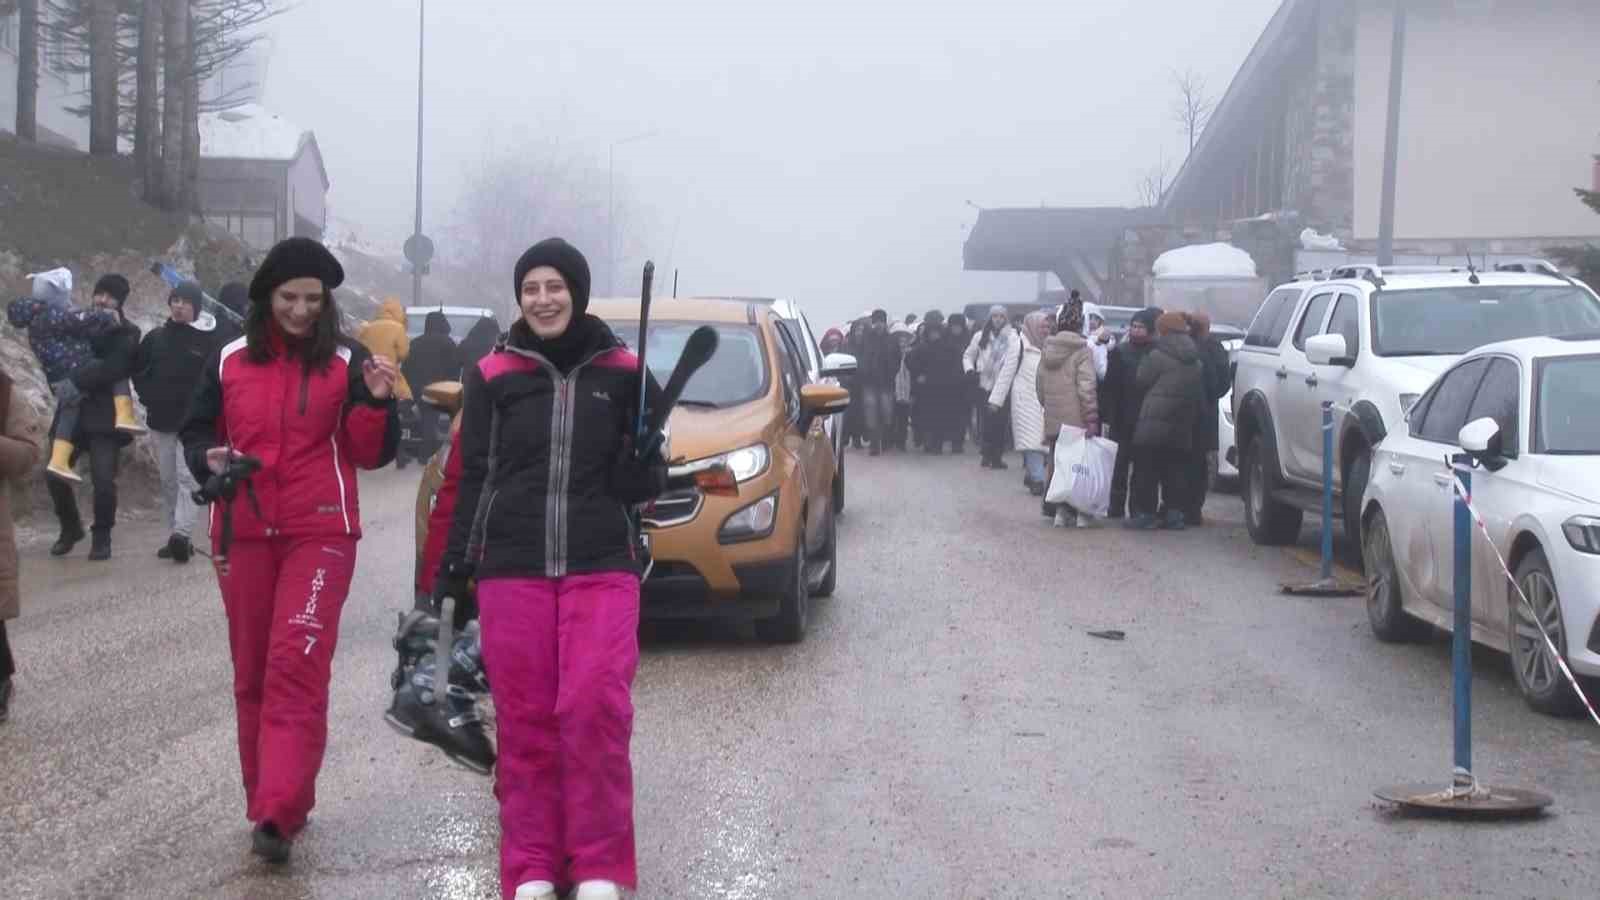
(543, 521)
(313, 407)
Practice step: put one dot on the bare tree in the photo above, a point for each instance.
(189, 190)
(1192, 107)
(104, 99)
(147, 100)
(28, 71)
(1152, 183)
(175, 76)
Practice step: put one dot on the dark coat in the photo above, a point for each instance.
(434, 356)
(116, 352)
(1172, 380)
(479, 341)
(1214, 360)
(878, 362)
(167, 369)
(554, 505)
(1120, 396)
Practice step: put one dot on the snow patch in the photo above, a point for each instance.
(1312, 239)
(1205, 261)
(250, 131)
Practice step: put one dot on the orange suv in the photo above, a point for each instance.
(762, 555)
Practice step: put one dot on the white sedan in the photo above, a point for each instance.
(1525, 410)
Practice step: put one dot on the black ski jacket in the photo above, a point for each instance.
(544, 463)
(166, 370)
(434, 357)
(114, 354)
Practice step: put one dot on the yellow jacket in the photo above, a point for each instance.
(385, 335)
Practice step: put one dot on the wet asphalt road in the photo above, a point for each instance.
(947, 730)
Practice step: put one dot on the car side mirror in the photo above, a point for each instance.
(444, 396)
(1483, 442)
(822, 400)
(1328, 350)
(838, 365)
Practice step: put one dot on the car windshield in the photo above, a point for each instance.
(736, 374)
(1451, 321)
(459, 324)
(1568, 395)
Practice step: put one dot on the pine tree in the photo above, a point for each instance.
(1585, 259)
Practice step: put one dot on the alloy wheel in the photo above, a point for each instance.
(1534, 662)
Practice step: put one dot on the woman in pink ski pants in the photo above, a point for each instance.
(543, 522)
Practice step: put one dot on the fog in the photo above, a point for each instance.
(825, 151)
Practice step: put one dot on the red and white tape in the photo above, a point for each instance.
(1477, 518)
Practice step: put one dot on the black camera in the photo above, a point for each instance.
(224, 485)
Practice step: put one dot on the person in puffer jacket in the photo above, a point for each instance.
(899, 432)
(385, 336)
(1172, 381)
(1069, 393)
(544, 521)
(991, 358)
(312, 407)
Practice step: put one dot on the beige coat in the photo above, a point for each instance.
(21, 445)
(1068, 390)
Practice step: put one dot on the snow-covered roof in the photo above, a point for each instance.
(1205, 261)
(250, 132)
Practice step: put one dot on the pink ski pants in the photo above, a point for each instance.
(561, 655)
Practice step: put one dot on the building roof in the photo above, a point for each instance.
(1043, 239)
(253, 132)
(1238, 113)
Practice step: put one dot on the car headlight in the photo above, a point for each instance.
(751, 523)
(1583, 533)
(746, 462)
(1406, 402)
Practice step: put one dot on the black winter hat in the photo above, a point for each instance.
(190, 293)
(934, 317)
(236, 297)
(1147, 317)
(564, 258)
(297, 257)
(115, 285)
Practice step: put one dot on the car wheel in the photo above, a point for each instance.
(1356, 479)
(1385, 602)
(1270, 523)
(789, 625)
(830, 555)
(1538, 675)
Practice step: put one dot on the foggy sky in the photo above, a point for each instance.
(823, 151)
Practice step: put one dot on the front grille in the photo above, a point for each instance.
(673, 508)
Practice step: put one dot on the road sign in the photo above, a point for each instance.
(419, 250)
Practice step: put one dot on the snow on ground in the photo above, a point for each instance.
(1205, 261)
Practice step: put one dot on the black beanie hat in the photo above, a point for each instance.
(564, 258)
(115, 285)
(297, 257)
(236, 297)
(934, 317)
(190, 293)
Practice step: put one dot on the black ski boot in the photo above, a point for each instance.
(70, 536)
(269, 844)
(447, 719)
(100, 545)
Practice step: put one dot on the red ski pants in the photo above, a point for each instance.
(561, 655)
(283, 597)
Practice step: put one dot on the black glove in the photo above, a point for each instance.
(454, 580)
(634, 480)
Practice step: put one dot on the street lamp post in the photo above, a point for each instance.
(611, 208)
(416, 268)
(1391, 142)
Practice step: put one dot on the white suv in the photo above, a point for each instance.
(1371, 341)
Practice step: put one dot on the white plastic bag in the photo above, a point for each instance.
(1084, 466)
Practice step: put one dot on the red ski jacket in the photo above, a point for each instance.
(311, 431)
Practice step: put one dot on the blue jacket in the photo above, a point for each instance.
(60, 334)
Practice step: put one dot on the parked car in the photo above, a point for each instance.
(1225, 468)
(1370, 342)
(1526, 411)
(462, 318)
(760, 556)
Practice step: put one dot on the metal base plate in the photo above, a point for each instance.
(1486, 803)
(1331, 587)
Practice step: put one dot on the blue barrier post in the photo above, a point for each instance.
(1461, 639)
(1327, 492)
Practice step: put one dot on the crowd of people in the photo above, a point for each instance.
(934, 383)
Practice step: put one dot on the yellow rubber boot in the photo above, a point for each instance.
(127, 423)
(61, 462)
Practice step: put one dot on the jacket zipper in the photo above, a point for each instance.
(563, 411)
(305, 389)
